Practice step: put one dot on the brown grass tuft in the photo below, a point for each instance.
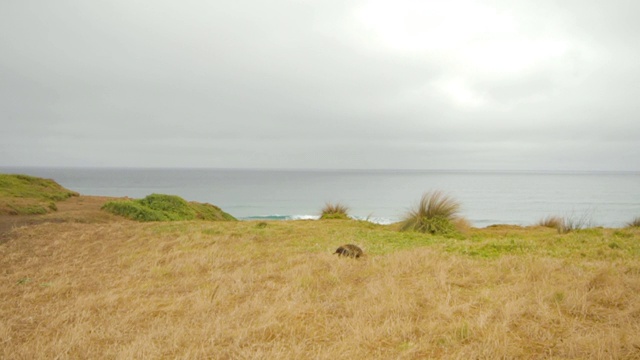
(554, 222)
(565, 225)
(335, 211)
(634, 223)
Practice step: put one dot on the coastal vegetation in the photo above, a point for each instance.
(336, 211)
(436, 213)
(635, 222)
(565, 224)
(554, 222)
(107, 287)
(160, 207)
(27, 195)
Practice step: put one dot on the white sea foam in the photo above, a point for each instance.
(375, 220)
(305, 217)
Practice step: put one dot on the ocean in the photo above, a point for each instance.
(607, 199)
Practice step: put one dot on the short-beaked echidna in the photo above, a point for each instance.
(349, 250)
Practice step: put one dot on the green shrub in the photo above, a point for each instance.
(134, 210)
(205, 211)
(436, 213)
(173, 207)
(160, 207)
(335, 212)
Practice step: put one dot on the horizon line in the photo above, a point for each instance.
(319, 169)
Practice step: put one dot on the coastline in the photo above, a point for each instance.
(487, 197)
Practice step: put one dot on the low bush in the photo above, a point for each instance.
(134, 210)
(160, 207)
(205, 211)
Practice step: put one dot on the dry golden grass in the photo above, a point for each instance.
(193, 290)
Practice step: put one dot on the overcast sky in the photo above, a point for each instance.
(456, 84)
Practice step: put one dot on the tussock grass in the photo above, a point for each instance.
(29, 195)
(233, 290)
(634, 223)
(573, 224)
(565, 225)
(554, 222)
(160, 207)
(335, 212)
(436, 213)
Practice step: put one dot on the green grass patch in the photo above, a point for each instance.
(26, 209)
(315, 237)
(205, 211)
(160, 207)
(28, 195)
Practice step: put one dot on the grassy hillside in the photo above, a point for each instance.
(273, 290)
(25, 195)
(159, 207)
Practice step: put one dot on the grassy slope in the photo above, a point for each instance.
(243, 290)
(160, 207)
(24, 195)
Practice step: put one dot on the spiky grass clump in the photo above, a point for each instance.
(572, 224)
(436, 214)
(554, 222)
(335, 211)
(634, 223)
(567, 224)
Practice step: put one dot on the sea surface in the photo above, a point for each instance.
(489, 197)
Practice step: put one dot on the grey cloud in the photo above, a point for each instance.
(298, 84)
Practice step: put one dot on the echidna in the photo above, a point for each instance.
(349, 250)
